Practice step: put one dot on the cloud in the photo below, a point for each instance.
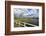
(26, 12)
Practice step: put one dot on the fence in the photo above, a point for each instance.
(23, 24)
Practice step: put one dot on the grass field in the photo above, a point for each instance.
(20, 20)
(23, 22)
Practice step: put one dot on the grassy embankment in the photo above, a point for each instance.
(20, 20)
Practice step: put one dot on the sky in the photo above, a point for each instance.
(26, 12)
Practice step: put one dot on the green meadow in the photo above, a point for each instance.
(20, 20)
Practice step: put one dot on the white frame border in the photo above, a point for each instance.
(25, 28)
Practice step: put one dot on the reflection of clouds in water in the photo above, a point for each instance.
(26, 11)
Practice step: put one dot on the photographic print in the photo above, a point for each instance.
(26, 17)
